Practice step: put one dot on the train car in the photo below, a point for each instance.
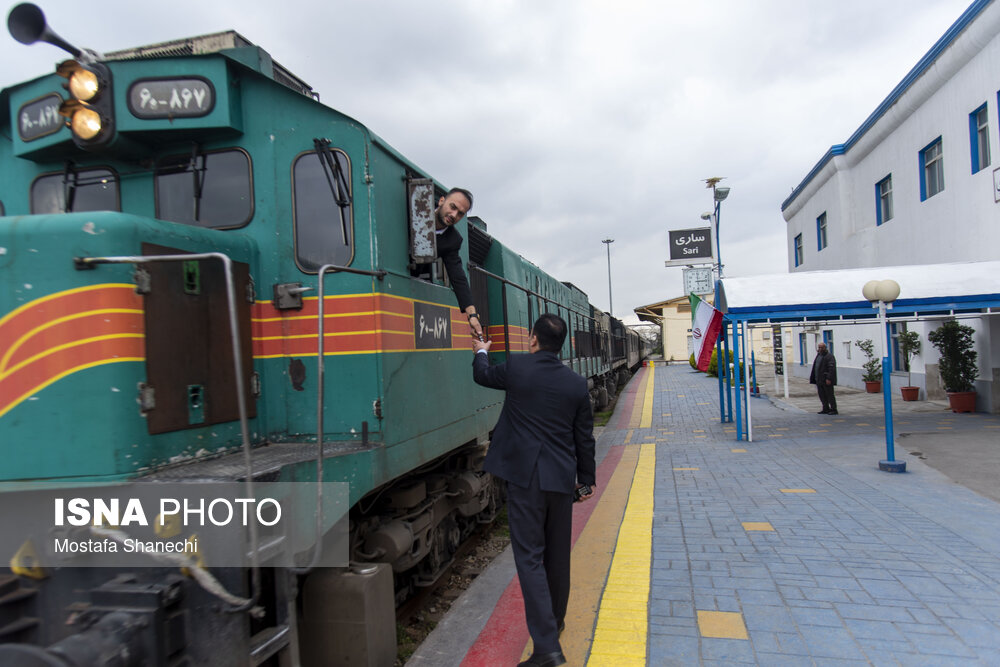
(211, 277)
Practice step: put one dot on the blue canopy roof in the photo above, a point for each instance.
(928, 290)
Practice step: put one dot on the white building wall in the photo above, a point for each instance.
(959, 224)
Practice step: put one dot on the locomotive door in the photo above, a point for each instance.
(346, 328)
(189, 352)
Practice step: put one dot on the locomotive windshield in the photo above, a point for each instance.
(75, 190)
(212, 189)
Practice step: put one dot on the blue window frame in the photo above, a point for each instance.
(821, 231)
(883, 200)
(931, 169)
(897, 358)
(802, 350)
(798, 250)
(828, 339)
(979, 138)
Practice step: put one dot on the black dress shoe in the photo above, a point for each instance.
(544, 660)
(833, 412)
(823, 412)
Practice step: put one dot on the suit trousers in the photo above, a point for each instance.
(541, 529)
(826, 397)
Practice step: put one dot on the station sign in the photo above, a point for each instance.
(691, 246)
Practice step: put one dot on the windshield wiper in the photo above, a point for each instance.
(337, 180)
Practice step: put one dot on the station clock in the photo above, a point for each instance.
(699, 280)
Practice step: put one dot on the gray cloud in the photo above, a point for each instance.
(573, 121)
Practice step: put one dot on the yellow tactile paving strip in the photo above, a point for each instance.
(646, 420)
(622, 622)
(592, 559)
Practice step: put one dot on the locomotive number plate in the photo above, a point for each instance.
(431, 326)
(40, 117)
(171, 98)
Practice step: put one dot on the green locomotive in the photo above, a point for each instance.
(207, 274)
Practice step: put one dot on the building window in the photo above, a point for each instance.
(821, 231)
(828, 339)
(803, 354)
(931, 170)
(883, 200)
(979, 138)
(798, 250)
(847, 349)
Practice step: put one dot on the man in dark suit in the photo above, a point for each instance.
(543, 446)
(449, 212)
(824, 376)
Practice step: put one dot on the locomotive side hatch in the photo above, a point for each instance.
(189, 355)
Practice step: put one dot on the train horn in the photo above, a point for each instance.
(26, 23)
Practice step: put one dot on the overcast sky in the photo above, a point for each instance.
(574, 121)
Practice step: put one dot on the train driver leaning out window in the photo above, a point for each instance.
(450, 210)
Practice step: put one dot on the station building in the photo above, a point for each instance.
(917, 183)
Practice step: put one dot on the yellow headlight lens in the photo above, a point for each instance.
(83, 85)
(86, 123)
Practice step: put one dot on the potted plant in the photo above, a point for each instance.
(909, 345)
(957, 364)
(872, 369)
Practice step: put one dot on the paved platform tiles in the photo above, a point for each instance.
(786, 550)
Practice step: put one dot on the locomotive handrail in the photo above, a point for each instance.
(377, 273)
(320, 407)
(234, 332)
(529, 292)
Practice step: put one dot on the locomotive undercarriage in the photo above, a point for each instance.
(417, 523)
(604, 388)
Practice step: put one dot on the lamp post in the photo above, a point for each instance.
(722, 344)
(611, 303)
(882, 293)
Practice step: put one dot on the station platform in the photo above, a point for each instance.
(793, 549)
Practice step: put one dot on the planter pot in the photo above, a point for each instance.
(910, 393)
(962, 401)
(873, 387)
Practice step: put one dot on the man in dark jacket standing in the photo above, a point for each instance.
(824, 376)
(543, 446)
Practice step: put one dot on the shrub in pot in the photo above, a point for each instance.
(957, 364)
(871, 369)
(909, 345)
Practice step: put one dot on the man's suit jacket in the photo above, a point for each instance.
(546, 421)
(824, 368)
(448, 244)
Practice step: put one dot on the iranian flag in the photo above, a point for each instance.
(706, 322)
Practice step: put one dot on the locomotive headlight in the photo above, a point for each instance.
(84, 85)
(86, 123)
(90, 109)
